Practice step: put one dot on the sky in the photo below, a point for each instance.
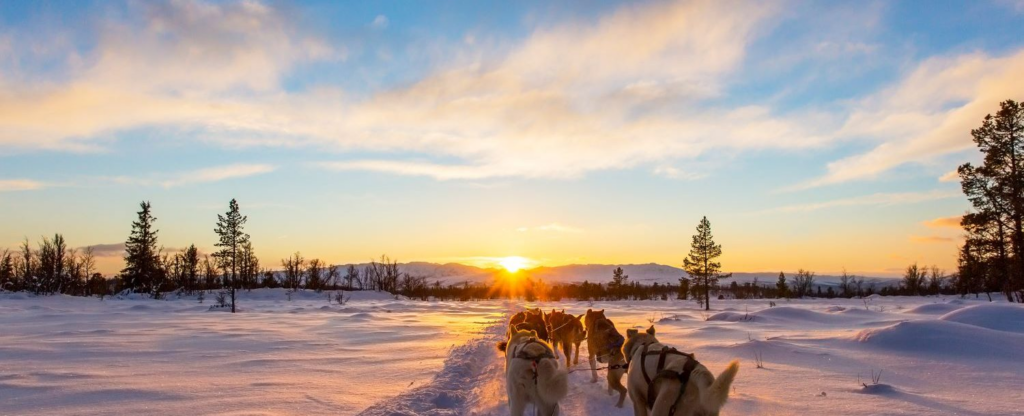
(817, 135)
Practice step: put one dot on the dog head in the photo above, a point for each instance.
(634, 337)
(593, 316)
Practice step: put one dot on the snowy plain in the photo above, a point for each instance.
(380, 356)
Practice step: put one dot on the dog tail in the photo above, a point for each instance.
(552, 381)
(718, 393)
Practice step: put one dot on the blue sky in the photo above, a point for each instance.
(812, 134)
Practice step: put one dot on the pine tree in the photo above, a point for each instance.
(701, 264)
(996, 190)
(781, 286)
(618, 282)
(230, 228)
(141, 256)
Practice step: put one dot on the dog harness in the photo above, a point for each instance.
(661, 372)
(519, 353)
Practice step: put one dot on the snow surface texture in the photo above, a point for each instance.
(380, 356)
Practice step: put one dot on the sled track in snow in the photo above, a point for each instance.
(462, 384)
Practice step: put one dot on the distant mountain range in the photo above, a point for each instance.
(600, 273)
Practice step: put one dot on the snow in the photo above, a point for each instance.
(378, 355)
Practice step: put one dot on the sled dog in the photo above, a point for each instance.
(665, 382)
(532, 374)
(530, 319)
(566, 330)
(604, 344)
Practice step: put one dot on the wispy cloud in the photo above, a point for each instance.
(927, 114)
(676, 173)
(197, 176)
(11, 185)
(217, 174)
(879, 199)
(218, 68)
(380, 22)
(551, 228)
(951, 176)
(107, 250)
(931, 239)
(944, 222)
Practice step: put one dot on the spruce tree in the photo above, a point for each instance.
(230, 228)
(141, 256)
(781, 286)
(701, 264)
(618, 282)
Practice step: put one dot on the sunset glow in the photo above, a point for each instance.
(514, 263)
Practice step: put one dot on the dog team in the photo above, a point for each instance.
(660, 380)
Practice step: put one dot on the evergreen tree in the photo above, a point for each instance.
(781, 286)
(7, 275)
(141, 256)
(190, 269)
(230, 229)
(701, 264)
(996, 190)
(618, 282)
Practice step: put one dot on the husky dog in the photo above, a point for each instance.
(666, 382)
(604, 344)
(532, 374)
(530, 319)
(567, 330)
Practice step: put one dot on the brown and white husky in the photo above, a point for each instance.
(532, 374)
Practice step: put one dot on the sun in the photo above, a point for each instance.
(514, 263)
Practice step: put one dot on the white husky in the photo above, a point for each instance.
(666, 382)
(532, 374)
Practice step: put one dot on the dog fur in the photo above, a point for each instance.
(704, 395)
(601, 334)
(566, 330)
(542, 385)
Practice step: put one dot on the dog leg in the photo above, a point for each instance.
(576, 360)
(546, 409)
(615, 382)
(639, 405)
(593, 368)
(567, 349)
(516, 406)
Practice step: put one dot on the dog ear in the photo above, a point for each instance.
(579, 317)
(631, 332)
(590, 311)
(650, 330)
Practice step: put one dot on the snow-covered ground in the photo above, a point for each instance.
(381, 356)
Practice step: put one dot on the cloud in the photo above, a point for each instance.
(551, 228)
(182, 63)
(11, 185)
(675, 173)
(216, 174)
(879, 199)
(380, 22)
(203, 175)
(927, 114)
(951, 176)
(106, 250)
(617, 98)
(931, 239)
(944, 222)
